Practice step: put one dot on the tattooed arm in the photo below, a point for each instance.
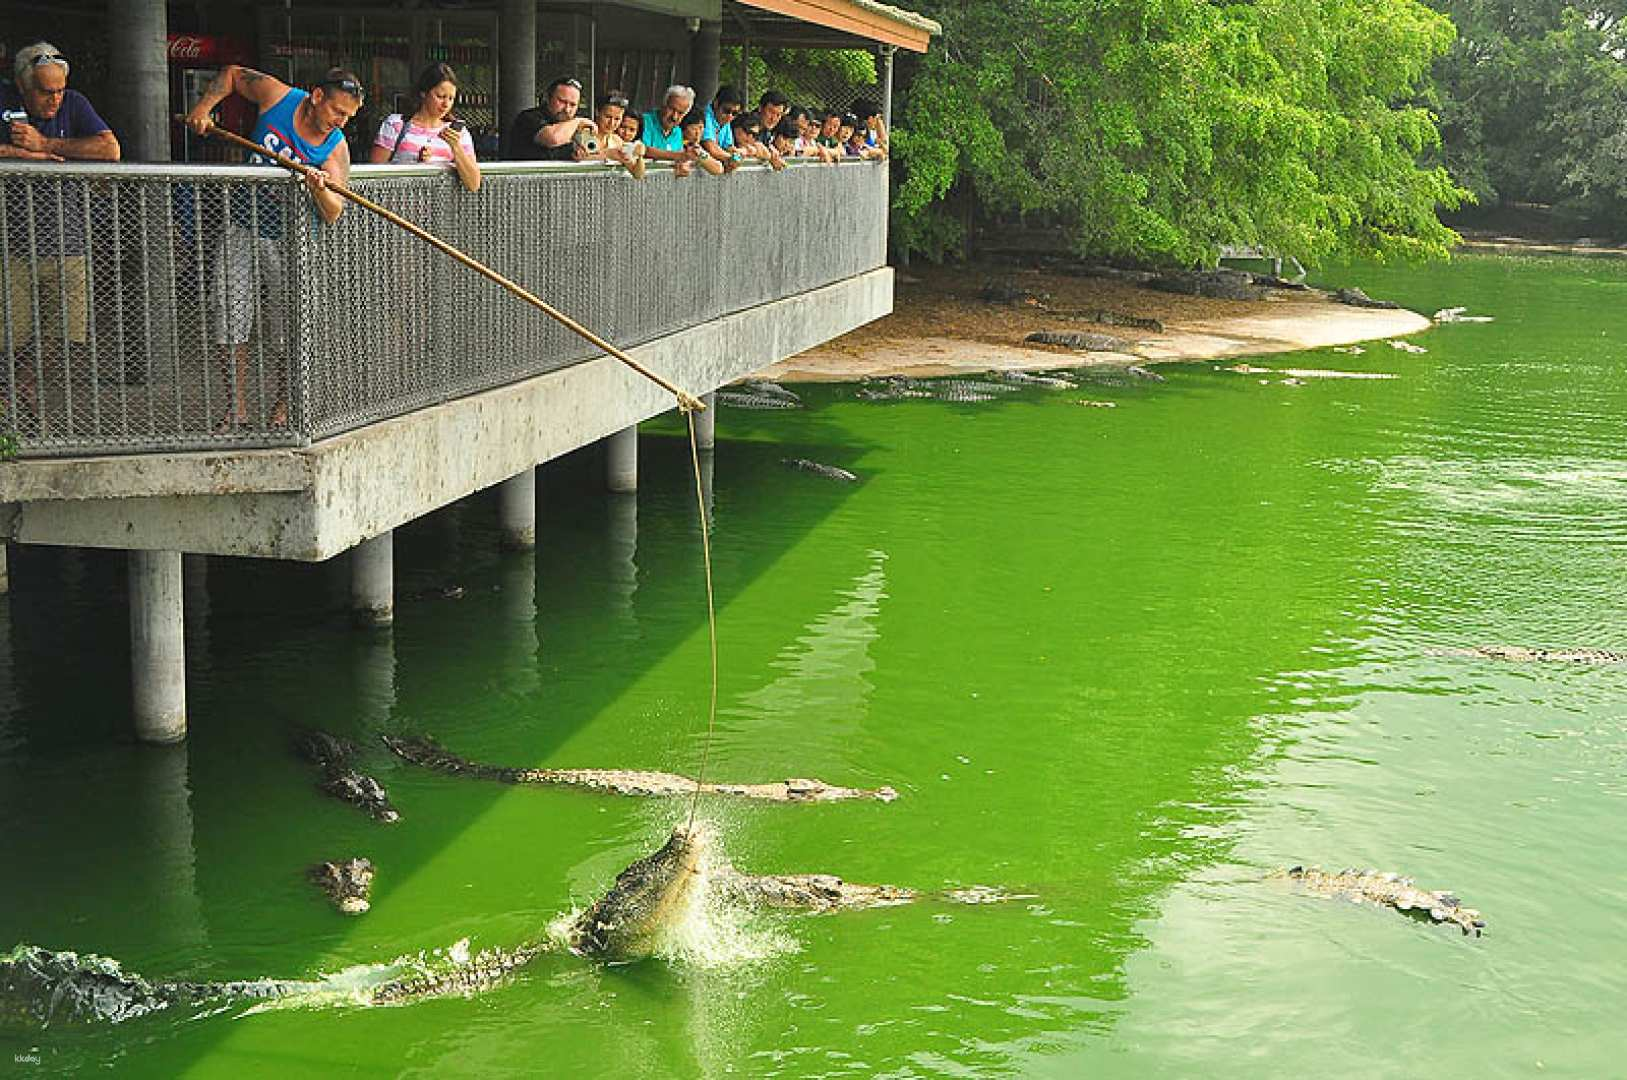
(255, 86)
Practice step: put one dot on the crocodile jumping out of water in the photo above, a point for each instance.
(334, 757)
(1387, 890)
(1521, 654)
(431, 755)
(647, 900)
(346, 882)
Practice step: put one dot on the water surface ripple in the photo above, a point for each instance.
(1127, 661)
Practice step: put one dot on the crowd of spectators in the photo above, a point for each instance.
(42, 120)
(716, 137)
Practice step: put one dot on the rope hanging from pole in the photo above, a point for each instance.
(688, 404)
(711, 618)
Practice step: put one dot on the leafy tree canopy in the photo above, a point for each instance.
(1533, 98)
(1163, 129)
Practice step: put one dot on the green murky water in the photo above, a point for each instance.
(1126, 660)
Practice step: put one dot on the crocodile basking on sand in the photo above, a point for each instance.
(431, 755)
(647, 900)
(1387, 890)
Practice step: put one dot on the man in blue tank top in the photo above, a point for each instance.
(251, 265)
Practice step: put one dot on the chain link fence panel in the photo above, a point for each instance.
(152, 308)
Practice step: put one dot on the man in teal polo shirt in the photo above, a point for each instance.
(718, 138)
(663, 135)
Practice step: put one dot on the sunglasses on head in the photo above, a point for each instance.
(48, 58)
(349, 86)
(618, 102)
(569, 82)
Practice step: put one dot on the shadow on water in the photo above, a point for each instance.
(270, 647)
(1141, 737)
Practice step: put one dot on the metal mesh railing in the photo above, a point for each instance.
(150, 308)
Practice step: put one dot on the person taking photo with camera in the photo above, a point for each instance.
(552, 131)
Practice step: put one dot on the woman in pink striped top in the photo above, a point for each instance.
(430, 134)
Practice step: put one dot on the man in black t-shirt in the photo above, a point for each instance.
(548, 132)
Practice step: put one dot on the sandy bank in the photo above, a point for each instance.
(941, 326)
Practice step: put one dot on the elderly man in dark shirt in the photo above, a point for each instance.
(548, 132)
(42, 120)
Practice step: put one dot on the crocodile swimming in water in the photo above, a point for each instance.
(346, 882)
(431, 755)
(758, 394)
(651, 896)
(334, 757)
(1521, 654)
(1387, 890)
(829, 472)
(39, 987)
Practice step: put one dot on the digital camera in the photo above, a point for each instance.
(587, 139)
(9, 117)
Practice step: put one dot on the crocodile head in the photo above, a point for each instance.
(650, 896)
(347, 883)
(361, 791)
(39, 987)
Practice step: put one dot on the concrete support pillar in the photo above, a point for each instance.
(621, 461)
(517, 510)
(5, 571)
(517, 61)
(704, 57)
(372, 581)
(138, 53)
(706, 422)
(887, 52)
(157, 646)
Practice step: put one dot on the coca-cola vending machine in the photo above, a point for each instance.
(194, 61)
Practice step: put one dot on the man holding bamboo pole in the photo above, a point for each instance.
(250, 272)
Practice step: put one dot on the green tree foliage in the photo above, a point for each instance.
(1532, 101)
(1163, 129)
(816, 78)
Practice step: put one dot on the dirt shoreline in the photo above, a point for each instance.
(941, 325)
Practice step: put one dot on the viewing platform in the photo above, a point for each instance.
(407, 380)
(382, 379)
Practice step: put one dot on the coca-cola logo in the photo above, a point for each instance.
(204, 50)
